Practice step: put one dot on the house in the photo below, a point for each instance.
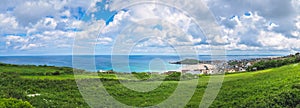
(154, 73)
(231, 70)
(198, 69)
(170, 72)
(195, 72)
(254, 69)
(241, 69)
(248, 64)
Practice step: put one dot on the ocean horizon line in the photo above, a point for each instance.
(145, 55)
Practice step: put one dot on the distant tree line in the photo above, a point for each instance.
(266, 64)
(35, 69)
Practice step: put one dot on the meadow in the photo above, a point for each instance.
(56, 86)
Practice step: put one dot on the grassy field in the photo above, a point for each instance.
(35, 70)
(277, 87)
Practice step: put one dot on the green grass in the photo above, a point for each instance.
(34, 70)
(14, 103)
(66, 77)
(260, 89)
(277, 87)
(59, 77)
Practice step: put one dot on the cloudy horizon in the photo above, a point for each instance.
(38, 27)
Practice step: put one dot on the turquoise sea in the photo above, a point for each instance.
(137, 63)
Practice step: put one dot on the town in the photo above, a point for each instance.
(193, 66)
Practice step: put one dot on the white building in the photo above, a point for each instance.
(198, 69)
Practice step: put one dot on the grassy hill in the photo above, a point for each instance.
(277, 87)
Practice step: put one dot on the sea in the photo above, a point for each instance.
(136, 63)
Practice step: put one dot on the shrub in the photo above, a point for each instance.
(189, 76)
(56, 73)
(261, 65)
(173, 77)
(14, 103)
(296, 86)
(141, 76)
(287, 99)
(9, 75)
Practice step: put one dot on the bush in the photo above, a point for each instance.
(56, 73)
(173, 77)
(141, 76)
(9, 75)
(14, 103)
(296, 86)
(261, 65)
(287, 99)
(189, 76)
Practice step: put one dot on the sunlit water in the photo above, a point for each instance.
(137, 63)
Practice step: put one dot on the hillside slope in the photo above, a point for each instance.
(277, 87)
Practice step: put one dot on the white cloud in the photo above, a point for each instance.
(297, 22)
(38, 25)
(8, 21)
(268, 24)
(272, 26)
(165, 23)
(271, 39)
(119, 18)
(244, 30)
(16, 42)
(295, 33)
(246, 33)
(29, 46)
(45, 24)
(32, 11)
(8, 24)
(278, 41)
(296, 4)
(255, 32)
(17, 39)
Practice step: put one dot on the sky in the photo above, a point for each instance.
(51, 27)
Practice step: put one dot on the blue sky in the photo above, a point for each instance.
(39, 27)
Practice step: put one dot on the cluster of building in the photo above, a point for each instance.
(231, 66)
(198, 69)
(205, 67)
(201, 68)
(194, 69)
(241, 66)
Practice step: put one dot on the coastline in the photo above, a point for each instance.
(64, 85)
(138, 63)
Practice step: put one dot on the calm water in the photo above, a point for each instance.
(137, 63)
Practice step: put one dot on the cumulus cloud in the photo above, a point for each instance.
(31, 12)
(252, 31)
(247, 24)
(277, 11)
(278, 41)
(8, 24)
(34, 24)
(167, 25)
